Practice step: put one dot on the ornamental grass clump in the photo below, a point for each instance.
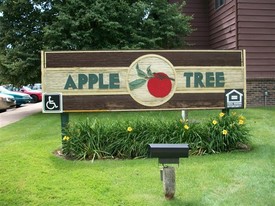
(98, 139)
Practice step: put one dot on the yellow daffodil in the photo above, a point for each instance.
(221, 114)
(129, 129)
(66, 138)
(214, 122)
(224, 132)
(186, 127)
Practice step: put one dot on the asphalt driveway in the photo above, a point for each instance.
(16, 114)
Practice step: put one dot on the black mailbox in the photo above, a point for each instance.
(168, 153)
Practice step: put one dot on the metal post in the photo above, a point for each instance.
(184, 115)
(226, 111)
(265, 97)
(64, 122)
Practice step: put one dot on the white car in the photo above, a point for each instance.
(37, 86)
(6, 102)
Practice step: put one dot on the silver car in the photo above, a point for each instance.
(21, 98)
(6, 102)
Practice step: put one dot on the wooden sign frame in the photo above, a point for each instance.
(92, 81)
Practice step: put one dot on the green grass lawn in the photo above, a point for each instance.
(32, 175)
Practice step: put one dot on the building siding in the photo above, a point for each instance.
(222, 25)
(256, 34)
(240, 24)
(200, 23)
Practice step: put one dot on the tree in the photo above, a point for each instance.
(122, 24)
(21, 39)
(28, 26)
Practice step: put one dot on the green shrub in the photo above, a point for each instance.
(225, 132)
(129, 139)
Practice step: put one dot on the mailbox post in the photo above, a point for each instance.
(168, 154)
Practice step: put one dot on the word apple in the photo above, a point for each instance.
(94, 79)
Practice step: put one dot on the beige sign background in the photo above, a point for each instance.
(105, 76)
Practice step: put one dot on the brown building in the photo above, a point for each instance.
(239, 24)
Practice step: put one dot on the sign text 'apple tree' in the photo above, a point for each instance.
(144, 80)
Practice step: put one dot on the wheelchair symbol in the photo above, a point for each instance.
(50, 104)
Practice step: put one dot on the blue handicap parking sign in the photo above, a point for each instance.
(52, 103)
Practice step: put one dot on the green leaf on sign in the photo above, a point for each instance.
(137, 83)
(140, 72)
(149, 72)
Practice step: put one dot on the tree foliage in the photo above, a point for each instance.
(21, 39)
(119, 24)
(27, 26)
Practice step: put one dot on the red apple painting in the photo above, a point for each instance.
(159, 84)
(151, 80)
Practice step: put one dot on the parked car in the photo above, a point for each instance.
(37, 86)
(21, 98)
(35, 94)
(6, 102)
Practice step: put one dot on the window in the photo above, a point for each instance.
(219, 3)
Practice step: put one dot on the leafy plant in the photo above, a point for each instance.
(129, 139)
(85, 140)
(225, 132)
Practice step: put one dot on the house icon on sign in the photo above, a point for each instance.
(234, 99)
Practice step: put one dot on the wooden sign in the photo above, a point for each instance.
(143, 80)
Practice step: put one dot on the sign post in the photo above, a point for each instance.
(64, 122)
(53, 103)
